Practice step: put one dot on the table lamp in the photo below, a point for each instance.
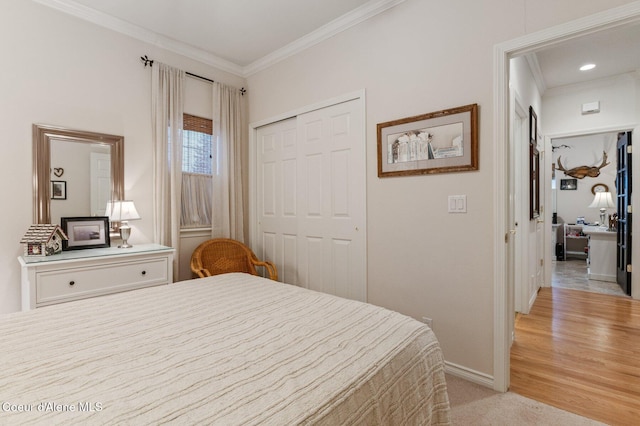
(122, 211)
(602, 201)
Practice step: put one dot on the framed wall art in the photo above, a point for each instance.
(534, 182)
(533, 126)
(437, 142)
(569, 184)
(534, 166)
(85, 232)
(58, 190)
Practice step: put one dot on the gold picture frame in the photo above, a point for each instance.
(438, 142)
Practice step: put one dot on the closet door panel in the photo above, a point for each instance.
(311, 199)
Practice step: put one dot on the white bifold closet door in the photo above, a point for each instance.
(311, 199)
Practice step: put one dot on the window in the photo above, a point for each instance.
(196, 145)
(197, 163)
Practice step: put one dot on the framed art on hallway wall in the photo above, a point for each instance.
(534, 182)
(534, 166)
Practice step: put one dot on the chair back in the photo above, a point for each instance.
(224, 255)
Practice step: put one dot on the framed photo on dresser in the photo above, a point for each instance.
(86, 232)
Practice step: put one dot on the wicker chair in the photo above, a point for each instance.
(222, 255)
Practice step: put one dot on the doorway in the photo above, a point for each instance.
(503, 300)
(584, 260)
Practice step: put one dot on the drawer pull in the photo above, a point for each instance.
(72, 282)
(144, 272)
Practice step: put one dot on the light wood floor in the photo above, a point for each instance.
(580, 352)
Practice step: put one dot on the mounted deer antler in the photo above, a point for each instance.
(583, 171)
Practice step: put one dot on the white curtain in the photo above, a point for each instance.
(196, 200)
(167, 109)
(228, 127)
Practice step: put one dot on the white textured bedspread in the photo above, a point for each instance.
(227, 350)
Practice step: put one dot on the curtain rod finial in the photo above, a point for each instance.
(146, 61)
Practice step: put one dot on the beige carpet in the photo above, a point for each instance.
(476, 405)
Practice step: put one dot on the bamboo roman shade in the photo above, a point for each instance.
(197, 124)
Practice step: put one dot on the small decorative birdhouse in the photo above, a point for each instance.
(43, 240)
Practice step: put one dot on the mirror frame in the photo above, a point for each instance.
(42, 136)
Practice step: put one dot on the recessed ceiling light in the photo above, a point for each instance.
(587, 67)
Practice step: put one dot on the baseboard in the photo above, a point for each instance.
(469, 374)
(532, 299)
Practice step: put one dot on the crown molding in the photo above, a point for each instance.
(334, 27)
(118, 25)
(534, 66)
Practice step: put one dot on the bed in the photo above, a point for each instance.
(232, 349)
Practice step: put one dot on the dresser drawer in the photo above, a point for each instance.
(78, 283)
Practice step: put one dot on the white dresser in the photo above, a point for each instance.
(79, 274)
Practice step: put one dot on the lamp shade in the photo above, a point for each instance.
(602, 200)
(121, 210)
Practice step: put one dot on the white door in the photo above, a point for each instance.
(277, 205)
(100, 176)
(331, 200)
(514, 188)
(518, 189)
(311, 199)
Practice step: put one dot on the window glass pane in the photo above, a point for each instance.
(196, 152)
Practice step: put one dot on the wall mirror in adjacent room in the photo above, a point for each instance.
(75, 172)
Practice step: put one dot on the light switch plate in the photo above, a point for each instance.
(457, 203)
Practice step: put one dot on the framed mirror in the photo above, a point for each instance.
(87, 166)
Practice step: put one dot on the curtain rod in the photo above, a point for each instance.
(146, 61)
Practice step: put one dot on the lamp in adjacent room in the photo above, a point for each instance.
(602, 201)
(122, 211)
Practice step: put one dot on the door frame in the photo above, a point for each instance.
(503, 52)
(520, 203)
(359, 96)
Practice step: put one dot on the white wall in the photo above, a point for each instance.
(617, 96)
(62, 71)
(418, 57)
